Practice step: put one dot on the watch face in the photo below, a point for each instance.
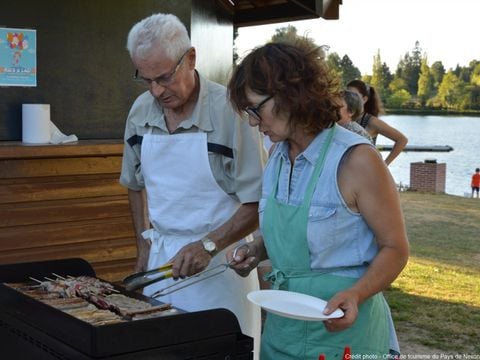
(209, 245)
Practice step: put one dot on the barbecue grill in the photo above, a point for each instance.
(31, 329)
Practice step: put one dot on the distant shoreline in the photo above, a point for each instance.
(475, 113)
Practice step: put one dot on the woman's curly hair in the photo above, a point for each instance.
(296, 74)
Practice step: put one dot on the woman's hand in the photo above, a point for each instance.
(243, 259)
(347, 301)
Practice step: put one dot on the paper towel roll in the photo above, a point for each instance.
(36, 123)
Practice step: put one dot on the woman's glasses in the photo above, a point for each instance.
(254, 111)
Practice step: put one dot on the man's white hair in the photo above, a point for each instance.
(164, 30)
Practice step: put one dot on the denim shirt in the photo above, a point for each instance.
(337, 236)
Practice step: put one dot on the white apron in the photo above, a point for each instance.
(185, 203)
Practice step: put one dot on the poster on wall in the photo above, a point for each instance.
(18, 57)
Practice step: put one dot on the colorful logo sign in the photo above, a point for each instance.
(18, 57)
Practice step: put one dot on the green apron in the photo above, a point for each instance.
(285, 232)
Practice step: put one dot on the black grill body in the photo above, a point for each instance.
(30, 329)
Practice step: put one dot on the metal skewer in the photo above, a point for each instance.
(59, 277)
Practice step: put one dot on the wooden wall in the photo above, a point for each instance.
(84, 70)
(65, 201)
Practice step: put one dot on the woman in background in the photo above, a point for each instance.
(372, 107)
(352, 108)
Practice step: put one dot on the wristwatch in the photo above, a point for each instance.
(209, 246)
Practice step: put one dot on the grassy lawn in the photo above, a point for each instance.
(436, 300)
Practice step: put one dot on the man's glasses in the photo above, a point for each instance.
(254, 111)
(161, 80)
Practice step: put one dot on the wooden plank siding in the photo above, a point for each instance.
(65, 201)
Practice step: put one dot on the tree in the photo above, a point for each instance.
(387, 77)
(334, 62)
(449, 92)
(408, 68)
(474, 87)
(285, 33)
(425, 83)
(377, 79)
(413, 72)
(398, 99)
(475, 76)
(397, 84)
(381, 76)
(417, 54)
(438, 71)
(463, 73)
(367, 79)
(349, 71)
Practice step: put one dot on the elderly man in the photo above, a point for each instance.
(193, 171)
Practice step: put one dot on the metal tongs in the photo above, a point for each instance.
(142, 279)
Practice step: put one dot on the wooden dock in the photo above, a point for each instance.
(420, 148)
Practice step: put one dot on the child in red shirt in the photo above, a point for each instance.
(476, 182)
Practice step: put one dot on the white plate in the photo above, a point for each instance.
(292, 305)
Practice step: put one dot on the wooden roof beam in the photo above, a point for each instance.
(291, 10)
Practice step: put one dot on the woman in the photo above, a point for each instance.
(352, 107)
(330, 218)
(372, 106)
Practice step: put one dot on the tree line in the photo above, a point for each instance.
(415, 84)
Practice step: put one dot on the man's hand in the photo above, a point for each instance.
(190, 260)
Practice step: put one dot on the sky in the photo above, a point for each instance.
(447, 30)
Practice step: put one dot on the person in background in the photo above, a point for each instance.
(369, 119)
(352, 107)
(330, 215)
(476, 182)
(193, 170)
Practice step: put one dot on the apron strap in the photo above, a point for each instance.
(273, 194)
(279, 277)
(318, 167)
(316, 171)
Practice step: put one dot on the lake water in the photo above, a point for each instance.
(460, 132)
